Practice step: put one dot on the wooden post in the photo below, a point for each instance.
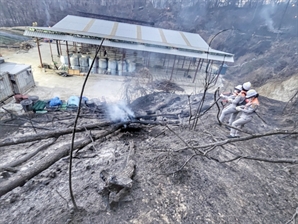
(60, 48)
(183, 62)
(173, 68)
(67, 54)
(37, 42)
(58, 52)
(168, 64)
(207, 66)
(201, 64)
(51, 51)
(148, 62)
(188, 68)
(196, 72)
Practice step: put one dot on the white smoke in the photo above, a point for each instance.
(48, 16)
(162, 4)
(119, 111)
(266, 13)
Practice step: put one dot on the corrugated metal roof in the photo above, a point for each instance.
(130, 36)
(12, 68)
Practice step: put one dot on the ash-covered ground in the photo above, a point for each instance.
(172, 181)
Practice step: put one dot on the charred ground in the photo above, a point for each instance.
(168, 186)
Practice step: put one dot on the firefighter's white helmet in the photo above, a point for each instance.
(239, 88)
(246, 86)
(251, 93)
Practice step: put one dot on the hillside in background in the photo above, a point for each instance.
(263, 38)
(163, 157)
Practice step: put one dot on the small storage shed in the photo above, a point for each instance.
(6, 90)
(20, 76)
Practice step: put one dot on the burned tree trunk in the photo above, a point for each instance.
(27, 157)
(21, 178)
(50, 134)
(117, 184)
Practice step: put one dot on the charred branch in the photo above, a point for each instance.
(28, 156)
(20, 178)
(50, 134)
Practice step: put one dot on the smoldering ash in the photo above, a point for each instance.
(119, 111)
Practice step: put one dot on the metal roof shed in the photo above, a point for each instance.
(130, 36)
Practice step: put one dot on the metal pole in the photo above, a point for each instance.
(37, 42)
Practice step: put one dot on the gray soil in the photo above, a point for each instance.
(168, 186)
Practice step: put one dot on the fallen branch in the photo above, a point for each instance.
(282, 160)
(290, 101)
(22, 177)
(50, 134)
(28, 156)
(293, 217)
(25, 126)
(213, 145)
(253, 136)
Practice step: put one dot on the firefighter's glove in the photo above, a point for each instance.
(238, 108)
(230, 100)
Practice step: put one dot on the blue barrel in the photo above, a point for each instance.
(73, 101)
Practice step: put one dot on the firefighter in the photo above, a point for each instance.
(252, 104)
(237, 99)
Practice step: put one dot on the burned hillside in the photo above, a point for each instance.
(153, 167)
(160, 155)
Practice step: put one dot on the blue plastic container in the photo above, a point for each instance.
(73, 101)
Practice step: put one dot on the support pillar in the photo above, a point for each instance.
(51, 51)
(148, 62)
(183, 62)
(61, 52)
(57, 46)
(194, 78)
(67, 51)
(188, 68)
(201, 64)
(169, 57)
(173, 68)
(37, 42)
